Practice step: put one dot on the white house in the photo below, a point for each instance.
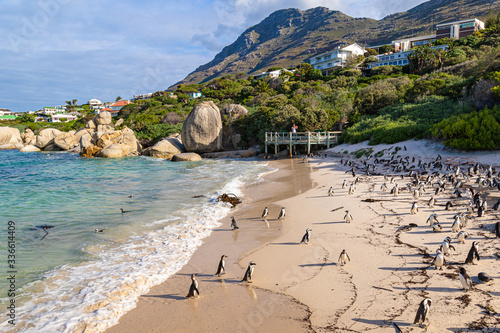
(58, 118)
(328, 61)
(94, 102)
(397, 58)
(194, 95)
(53, 110)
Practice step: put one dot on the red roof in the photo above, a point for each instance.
(106, 109)
(122, 103)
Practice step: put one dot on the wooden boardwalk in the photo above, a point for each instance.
(307, 139)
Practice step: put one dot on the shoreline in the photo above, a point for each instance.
(225, 304)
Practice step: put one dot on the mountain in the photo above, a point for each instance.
(287, 37)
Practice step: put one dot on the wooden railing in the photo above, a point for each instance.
(301, 138)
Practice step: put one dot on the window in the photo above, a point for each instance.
(467, 25)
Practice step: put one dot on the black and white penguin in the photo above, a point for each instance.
(465, 279)
(446, 247)
(473, 253)
(249, 272)
(484, 277)
(344, 258)
(497, 229)
(383, 187)
(351, 189)
(344, 184)
(462, 235)
(124, 211)
(222, 266)
(432, 219)
(306, 237)
(431, 202)
(496, 205)
(234, 225)
(282, 213)
(193, 290)
(414, 208)
(347, 217)
(423, 311)
(457, 225)
(436, 227)
(448, 205)
(330, 191)
(265, 213)
(439, 260)
(99, 230)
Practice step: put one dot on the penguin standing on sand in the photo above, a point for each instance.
(436, 227)
(457, 225)
(344, 257)
(282, 213)
(497, 229)
(265, 212)
(249, 272)
(465, 279)
(432, 219)
(423, 311)
(351, 189)
(344, 184)
(439, 261)
(462, 235)
(347, 217)
(306, 237)
(414, 208)
(233, 223)
(484, 277)
(431, 202)
(473, 253)
(193, 290)
(222, 266)
(330, 191)
(446, 247)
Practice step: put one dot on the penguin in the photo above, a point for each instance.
(473, 253)
(193, 290)
(446, 247)
(431, 202)
(99, 230)
(249, 272)
(439, 260)
(265, 212)
(432, 219)
(436, 227)
(344, 184)
(330, 192)
(233, 223)
(462, 235)
(423, 311)
(395, 190)
(351, 189)
(344, 257)
(347, 217)
(480, 211)
(497, 229)
(131, 196)
(448, 205)
(414, 208)
(222, 266)
(306, 237)
(124, 211)
(383, 187)
(484, 277)
(465, 279)
(496, 205)
(416, 194)
(457, 225)
(282, 213)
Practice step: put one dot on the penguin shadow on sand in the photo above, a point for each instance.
(177, 297)
(321, 264)
(335, 222)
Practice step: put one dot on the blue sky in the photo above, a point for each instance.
(52, 51)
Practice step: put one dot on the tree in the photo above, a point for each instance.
(385, 49)
(424, 59)
(74, 101)
(118, 99)
(370, 52)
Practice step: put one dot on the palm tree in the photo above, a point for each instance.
(118, 99)
(74, 101)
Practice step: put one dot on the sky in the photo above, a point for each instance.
(52, 51)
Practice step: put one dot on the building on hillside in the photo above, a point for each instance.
(458, 29)
(329, 61)
(8, 117)
(94, 102)
(53, 110)
(118, 106)
(397, 58)
(193, 95)
(64, 117)
(142, 96)
(5, 112)
(271, 74)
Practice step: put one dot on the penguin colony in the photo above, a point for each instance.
(436, 186)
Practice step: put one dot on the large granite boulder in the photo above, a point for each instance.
(232, 154)
(201, 132)
(186, 157)
(110, 143)
(167, 148)
(116, 150)
(66, 141)
(28, 137)
(103, 118)
(46, 137)
(29, 148)
(10, 136)
(235, 111)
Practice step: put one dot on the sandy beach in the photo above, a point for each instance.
(302, 287)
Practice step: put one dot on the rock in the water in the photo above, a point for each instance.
(10, 146)
(10, 135)
(52, 147)
(201, 132)
(65, 141)
(46, 137)
(103, 118)
(232, 154)
(115, 151)
(167, 148)
(235, 111)
(29, 148)
(186, 157)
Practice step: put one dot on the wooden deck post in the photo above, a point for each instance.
(265, 149)
(291, 144)
(308, 143)
(327, 140)
(276, 146)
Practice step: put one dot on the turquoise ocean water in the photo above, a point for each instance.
(73, 279)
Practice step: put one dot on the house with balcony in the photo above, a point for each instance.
(397, 58)
(48, 110)
(329, 61)
(59, 118)
(116, 107)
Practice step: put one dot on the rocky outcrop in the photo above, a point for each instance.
(235, 111)
(10, 136)
(109, 143)
(28, 137)
(167, 148)
(186, 157)
(232, 154)
(103, 118)
(201, 132)
(66, 141)
(46, 137)
(29, 148)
